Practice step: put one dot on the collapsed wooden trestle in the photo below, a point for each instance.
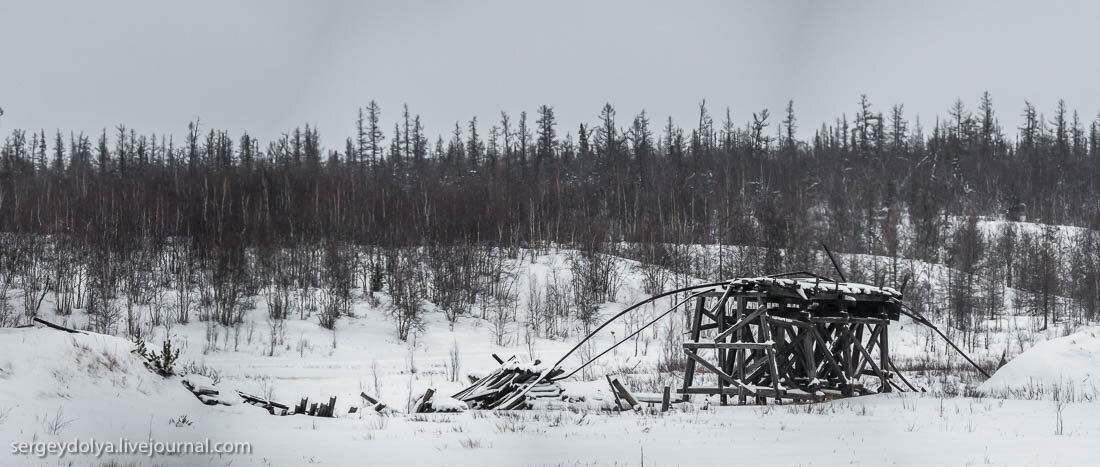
(795, 337)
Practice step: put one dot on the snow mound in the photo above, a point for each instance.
(37, 363)
(1066, 366)
(447, 404)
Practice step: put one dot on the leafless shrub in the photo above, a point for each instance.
(406, 294)
(276, 335)
(502, 310)
(453, 279)
(454, 363)
(34, 273)
(54, 424)
(180, 421)
(201, 369)
(672, 355)
(596, 279)
(337, 279)
(470, 443)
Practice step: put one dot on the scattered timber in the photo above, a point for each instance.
(513, 385)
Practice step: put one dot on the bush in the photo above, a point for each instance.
(161, 363)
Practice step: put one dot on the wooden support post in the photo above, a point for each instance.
(721, 353)
(666, 399)
(742, 302)
(696, 322)
(808, 355)
(765, 328)
(884, 354)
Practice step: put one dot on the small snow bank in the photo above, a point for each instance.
(41, 363)
(447, 404)
(1065, 368)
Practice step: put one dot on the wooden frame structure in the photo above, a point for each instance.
(797, 337)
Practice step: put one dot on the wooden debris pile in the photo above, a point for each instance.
(625, 400)
(315, 409)
(514, 385)
(375, 404)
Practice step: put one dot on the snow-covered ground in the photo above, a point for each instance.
(56, 386)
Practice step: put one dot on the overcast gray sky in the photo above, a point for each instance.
(266, 66)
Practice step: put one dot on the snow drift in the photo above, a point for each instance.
(38, 364)
(1065, 367)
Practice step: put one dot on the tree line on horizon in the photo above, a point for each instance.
(874, 182)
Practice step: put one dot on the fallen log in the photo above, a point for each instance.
(57, 326)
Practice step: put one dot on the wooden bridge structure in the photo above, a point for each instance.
(793, 337)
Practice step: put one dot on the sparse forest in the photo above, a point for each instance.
(108, 222)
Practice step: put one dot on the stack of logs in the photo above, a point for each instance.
(502, 388)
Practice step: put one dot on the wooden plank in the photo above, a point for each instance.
(846, 319)
(366, 398)
(626, 394)
(726, 345)
(740, 323)
(691, 354)
(866, 354)
(423, 405)
(828, 354)
(614, 393)
(872, 341)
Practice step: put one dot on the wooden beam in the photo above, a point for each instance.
(741, 322)
(696, 321)
(727, 345)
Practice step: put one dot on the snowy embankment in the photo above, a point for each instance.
(1065, 368)
(60, 387)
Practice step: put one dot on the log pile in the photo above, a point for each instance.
(514, 385)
